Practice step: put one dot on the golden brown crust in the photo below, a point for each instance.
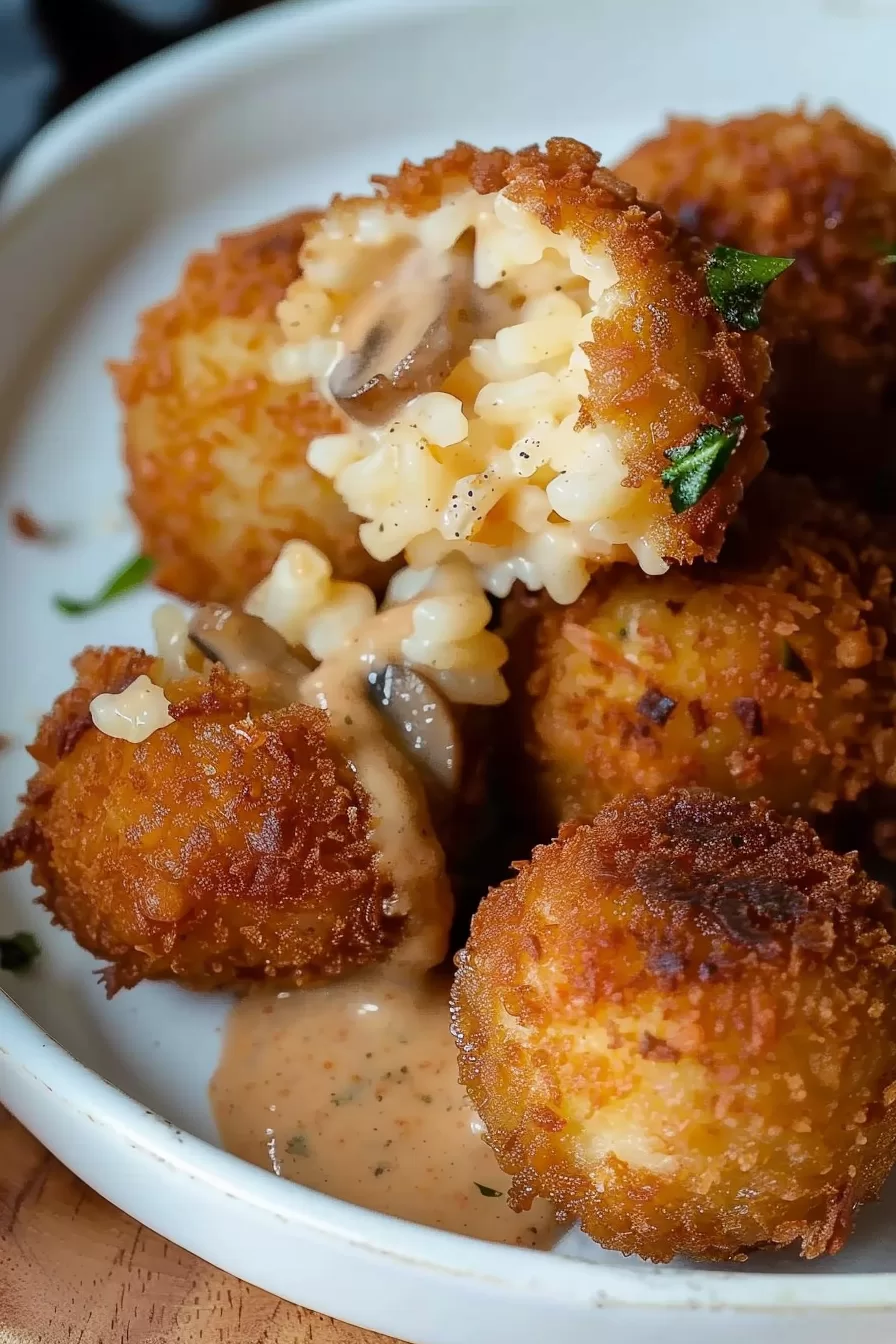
(664, 364)
(823, 190)
(230, 847)
(769, 674)
(678, 1023)
(216, 449)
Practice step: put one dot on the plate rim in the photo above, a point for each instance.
(111, 112)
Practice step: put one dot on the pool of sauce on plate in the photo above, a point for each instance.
(352, 1089)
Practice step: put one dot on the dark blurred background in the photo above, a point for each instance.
(52, 51)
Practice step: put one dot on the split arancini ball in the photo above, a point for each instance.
(231, 846)
(214, 447)
(678, 1023)
(532, 369)
(821, 189)
(771, 673)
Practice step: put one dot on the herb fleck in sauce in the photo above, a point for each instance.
(352, 1089)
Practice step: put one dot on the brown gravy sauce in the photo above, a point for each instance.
(352, 1089)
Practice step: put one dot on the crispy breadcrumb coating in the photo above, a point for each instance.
(215, 449)
(769, 674)
(230, 847)
(821, 189)
(678, 1023)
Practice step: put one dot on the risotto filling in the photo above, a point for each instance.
(460, 343)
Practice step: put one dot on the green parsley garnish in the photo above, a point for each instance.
(130, 576)
(696, 466)
(737, 282)
(19, 952)
(297, 1146)
(487, 1191)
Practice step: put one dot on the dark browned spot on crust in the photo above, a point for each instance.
(749, 711)
(749, 909)
(698, 716)
(655, 706)
(652, 1047)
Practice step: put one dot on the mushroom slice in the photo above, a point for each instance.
(250, 649)
(422, 722)
(417, 716)
(404, 336)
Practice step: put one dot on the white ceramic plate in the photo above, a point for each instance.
(269, 113)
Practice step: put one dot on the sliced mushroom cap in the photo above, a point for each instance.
(403, 336)
(250, 649)
(422, 722)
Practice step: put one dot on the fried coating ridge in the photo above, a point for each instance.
(214, 447)
(677, 1022)
(231, 847)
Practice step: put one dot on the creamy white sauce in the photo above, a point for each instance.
(133, 714)
(352, 1089)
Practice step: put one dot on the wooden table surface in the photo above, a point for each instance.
(75, 1270)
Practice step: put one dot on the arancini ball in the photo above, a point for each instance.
(678, 1023)
(820, 189)
(531, 369)
(215, 449)
(233, 845)
(769, 674)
